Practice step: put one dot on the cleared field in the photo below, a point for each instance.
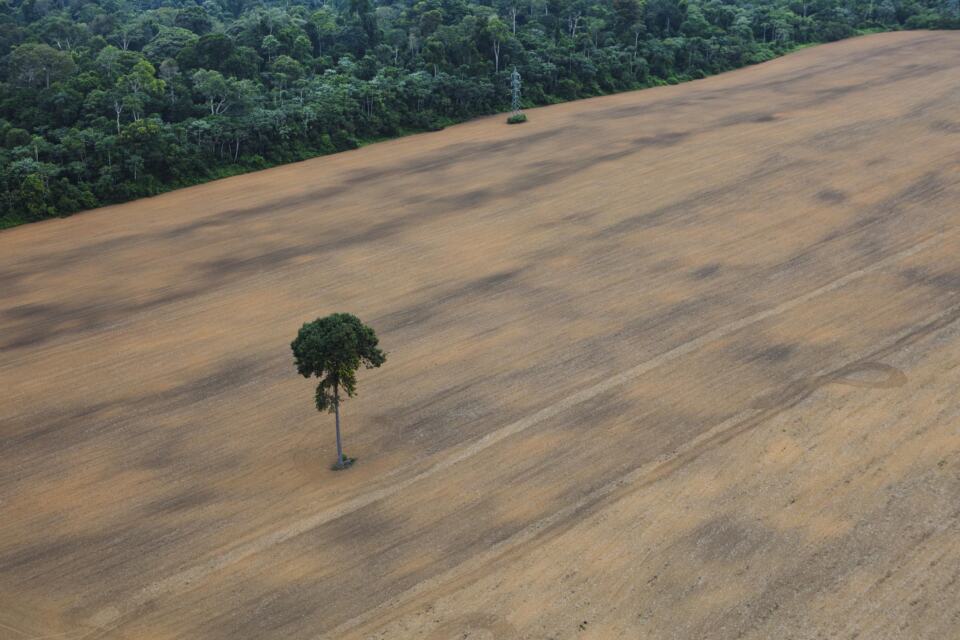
(679, 363)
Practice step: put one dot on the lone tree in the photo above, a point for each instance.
(332, 349)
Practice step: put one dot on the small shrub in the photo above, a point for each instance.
(346, 464)
(517, 118)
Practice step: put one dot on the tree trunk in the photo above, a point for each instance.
(336, 409)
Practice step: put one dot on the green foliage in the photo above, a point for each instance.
(16, 138)
(345, 463)
(33, 195)
(36, 65)
(332, 349)
(517, 118)
(112, 99)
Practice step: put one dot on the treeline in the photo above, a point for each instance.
(103, 101)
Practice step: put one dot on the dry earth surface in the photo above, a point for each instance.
(679, 363)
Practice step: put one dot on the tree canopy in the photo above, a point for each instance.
(332, 349)
(103, 101)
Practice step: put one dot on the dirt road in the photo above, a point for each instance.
(679, 363)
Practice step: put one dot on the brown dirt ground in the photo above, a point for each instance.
(679, 363)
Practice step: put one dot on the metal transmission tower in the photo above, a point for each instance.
(515, 90)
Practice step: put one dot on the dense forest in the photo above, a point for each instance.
(103, 101)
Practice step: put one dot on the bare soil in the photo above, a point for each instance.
(679, 363)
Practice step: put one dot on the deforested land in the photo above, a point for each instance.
(674, 363)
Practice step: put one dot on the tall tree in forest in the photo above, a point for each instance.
(36, 65)
(498, 33)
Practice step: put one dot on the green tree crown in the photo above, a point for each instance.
(332, 349)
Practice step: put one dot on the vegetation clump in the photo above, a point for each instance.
(517, 118)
